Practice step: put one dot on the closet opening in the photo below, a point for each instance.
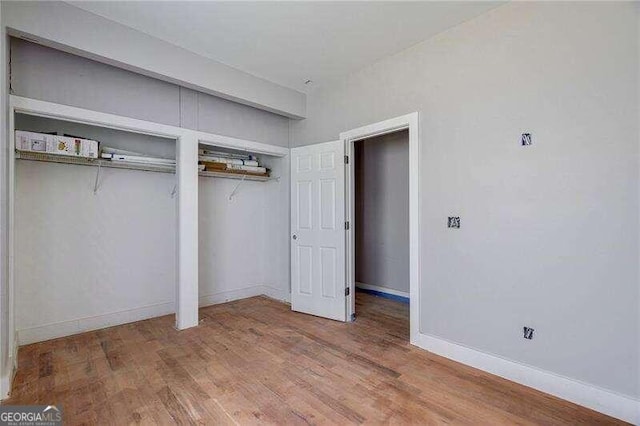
(242, 225)
(95, 227)
(381, 231)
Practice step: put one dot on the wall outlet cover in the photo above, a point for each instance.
(453, 222)
(528, 333)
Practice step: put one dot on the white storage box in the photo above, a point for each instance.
(76, 147)
(29, 141)
(59, 145)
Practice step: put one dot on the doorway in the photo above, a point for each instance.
(322, 210)
(381, 229)
(409, 123)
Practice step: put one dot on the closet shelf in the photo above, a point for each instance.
(235, 176)
(52, 158)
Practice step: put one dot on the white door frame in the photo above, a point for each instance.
(410, 122)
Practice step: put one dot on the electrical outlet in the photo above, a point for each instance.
(528, 333)
(526, 139)
(453, 222)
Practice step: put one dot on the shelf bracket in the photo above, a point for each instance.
(95, 184)
(235, 190)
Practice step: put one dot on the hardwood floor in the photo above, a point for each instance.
(255, 361)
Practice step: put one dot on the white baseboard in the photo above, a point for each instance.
(229, 296)
(382, 289)
(243, 293)
(613, 404)
(81, 325)
(277, 294)
(9, 372)
(5, 383)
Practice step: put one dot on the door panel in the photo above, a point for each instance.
(328, 267)
(327, 204)
(317, 230)
(304, 204)
(305, 256)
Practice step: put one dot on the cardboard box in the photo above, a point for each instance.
(64, 145)
(214, 166)
(30, 141)
(59, 145)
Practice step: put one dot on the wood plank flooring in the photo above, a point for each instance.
(254, 361)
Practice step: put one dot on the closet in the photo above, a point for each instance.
(96, 243)
(93, 238)
(243, 233)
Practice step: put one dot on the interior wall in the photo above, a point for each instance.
(382, 211)
(86, 261)
(227, 258)
(549, 232)
(277, 224)
(222, 117)
(48, 74)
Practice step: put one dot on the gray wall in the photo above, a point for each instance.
(382, 211)
(47, 74)
(549, 234)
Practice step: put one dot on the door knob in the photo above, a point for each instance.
(295, 237)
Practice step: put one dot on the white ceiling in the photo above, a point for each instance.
(290, 42)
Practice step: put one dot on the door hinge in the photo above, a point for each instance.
(347, 291)
(346, 159)
(346, 226)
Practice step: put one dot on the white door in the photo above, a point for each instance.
(318, 230)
